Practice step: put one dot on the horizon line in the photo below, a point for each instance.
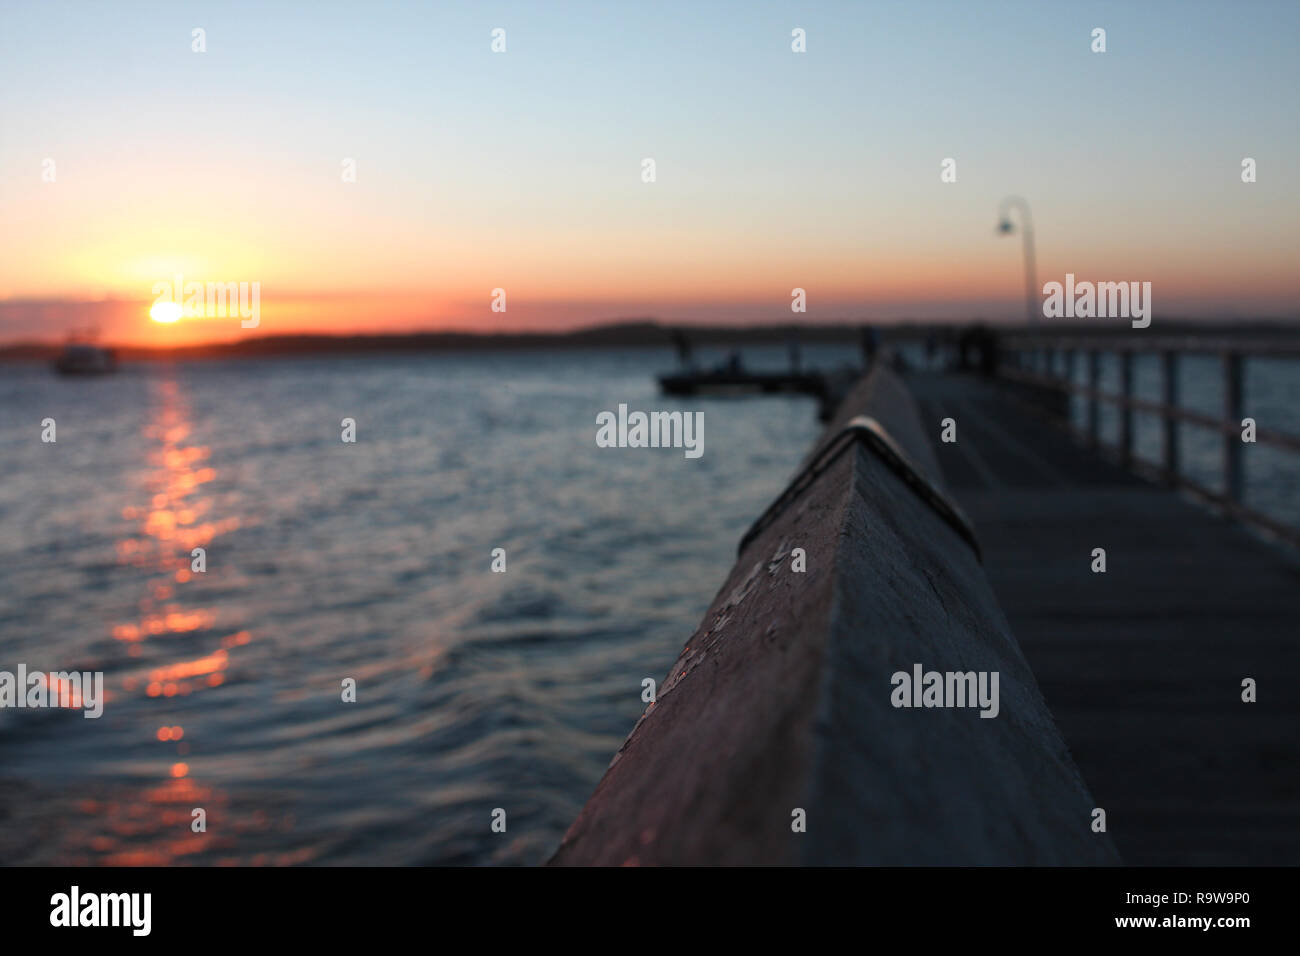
(634, 333)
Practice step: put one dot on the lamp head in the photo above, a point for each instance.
(1005, 227)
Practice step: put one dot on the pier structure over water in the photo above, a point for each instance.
(1143, 665)
(1050, 365)
(1121, 691)
(780, 705)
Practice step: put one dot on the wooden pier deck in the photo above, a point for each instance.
(1141, 666)
(778, 738)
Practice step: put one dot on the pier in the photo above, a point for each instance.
(1123, 690)
(1141, 666)
(829, 388)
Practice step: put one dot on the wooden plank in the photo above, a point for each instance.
(783, 699)
(1142, 665)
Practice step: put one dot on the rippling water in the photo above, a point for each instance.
(328, 560)
(371, 560)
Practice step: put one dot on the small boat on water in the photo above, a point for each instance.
(85, 358)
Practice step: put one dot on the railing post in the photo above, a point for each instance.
(1126, 410)
(1094, 384)
(1170, 422)
(1232, 413)
(1067, 376)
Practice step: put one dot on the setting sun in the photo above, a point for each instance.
(165, 311)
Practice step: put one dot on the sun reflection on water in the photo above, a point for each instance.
(181, 651)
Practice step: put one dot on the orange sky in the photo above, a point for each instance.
(523, 170)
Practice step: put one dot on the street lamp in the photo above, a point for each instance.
(1006, 227)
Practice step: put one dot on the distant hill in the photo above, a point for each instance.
(633, 334)
(639, 333)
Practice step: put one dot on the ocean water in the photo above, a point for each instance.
(371, 561)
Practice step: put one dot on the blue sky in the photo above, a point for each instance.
(774, 169)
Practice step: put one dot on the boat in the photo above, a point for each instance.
(85, 358)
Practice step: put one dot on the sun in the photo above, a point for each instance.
(166, 311)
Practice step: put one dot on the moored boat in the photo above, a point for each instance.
(84, 358)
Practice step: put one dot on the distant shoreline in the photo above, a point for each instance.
(641, 334)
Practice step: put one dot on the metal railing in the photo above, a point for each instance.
(1033, 360)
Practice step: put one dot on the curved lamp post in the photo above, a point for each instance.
(1006, 227)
